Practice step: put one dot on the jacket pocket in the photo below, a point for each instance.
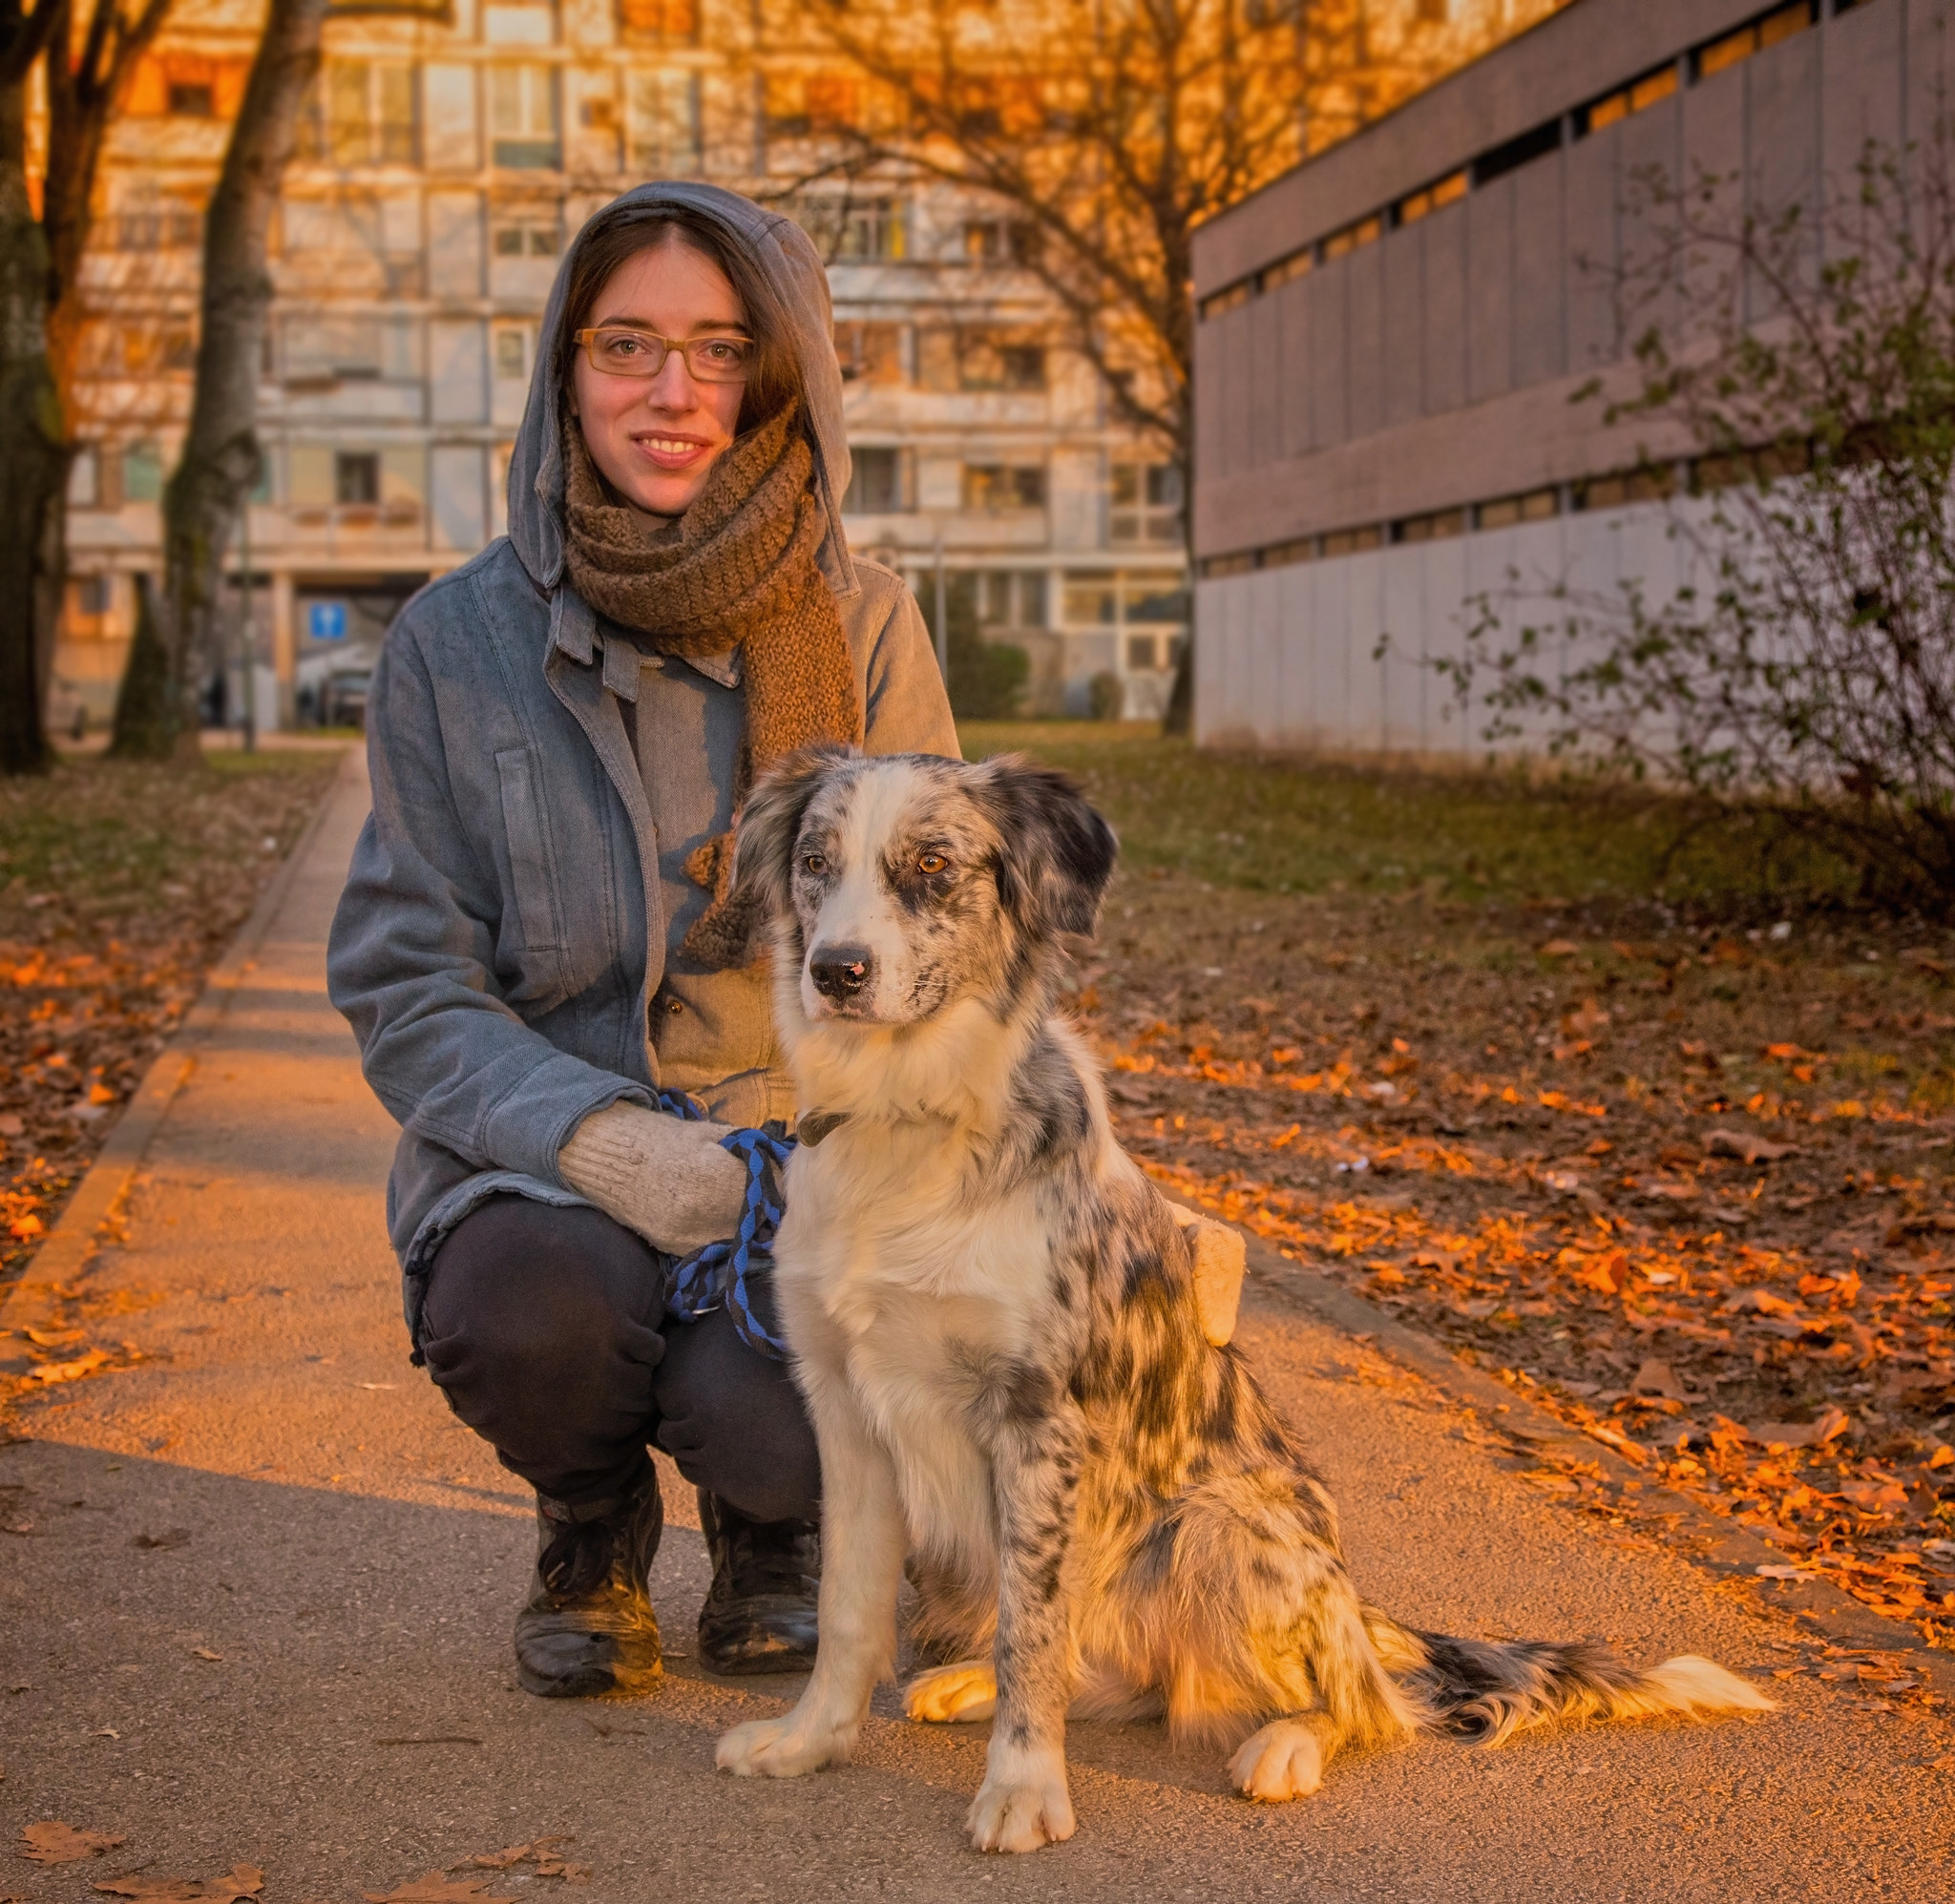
(533, 880)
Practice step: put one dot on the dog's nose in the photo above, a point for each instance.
(840, 972)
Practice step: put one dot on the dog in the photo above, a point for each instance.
(992, 1314)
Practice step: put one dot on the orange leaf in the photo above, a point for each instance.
(433, 1888)
(52, 1842)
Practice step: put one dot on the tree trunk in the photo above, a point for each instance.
(34, 458)
(156, 711)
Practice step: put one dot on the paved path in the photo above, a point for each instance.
(273, 1485)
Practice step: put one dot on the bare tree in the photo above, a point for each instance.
(156, 713)
(88, 67)
(1805, 666)
(1106, 130)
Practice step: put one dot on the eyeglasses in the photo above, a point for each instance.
(622, 351)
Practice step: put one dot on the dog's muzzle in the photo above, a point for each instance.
(841, 973)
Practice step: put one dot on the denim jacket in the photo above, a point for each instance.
(506, 947)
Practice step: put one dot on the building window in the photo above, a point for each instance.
(356, 477)
(1741, 45)
(1645, 92)
(1147, 503)
(161, 223)
(1000, 241)
(851, 230)
(1285, 555)
(1141, 651)
(1352, 541)
(522, 118)
(1434, 528)
(664, 124)
(361, 112)
(191, 99)
(1154, 595)
(978, 358)
(658, 23)
(1242, 561)
(1004, 485)
(1275, 276)
(1008, 599)
(879, 481)
(1088, 601)
(1650, 485)
(527, 238)
(1230, 297)
(142, 472)
(88, 596)
(1366, 231)
(1536, 506)
(870, 353)
(1421, 205)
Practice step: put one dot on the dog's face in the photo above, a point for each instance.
(908, 882)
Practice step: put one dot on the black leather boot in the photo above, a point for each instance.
(589, 1628)
(759, 1615)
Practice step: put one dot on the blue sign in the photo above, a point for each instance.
(327, 620)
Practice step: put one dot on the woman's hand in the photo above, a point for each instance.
(661, 1176)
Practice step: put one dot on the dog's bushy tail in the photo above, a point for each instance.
(1481, 1690)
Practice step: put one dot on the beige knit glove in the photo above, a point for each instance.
(1220, 1258)
(663, 1177)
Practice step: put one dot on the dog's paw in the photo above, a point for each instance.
(1283, 1761)
(952, 1695)
(1020, 1816)
(777, 1748)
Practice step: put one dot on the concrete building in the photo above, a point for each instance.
(445, 160)
(1390, 336)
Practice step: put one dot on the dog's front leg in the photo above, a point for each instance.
(862, 1542)
(1023, 1802)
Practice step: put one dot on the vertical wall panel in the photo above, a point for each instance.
(1364, 341)
(1330, 379)
(1491, 290)
(1862, 97)
(1207, 398)
(455, 245)
(1231, 346)
(1265, 378)
(1713, 147)
(1783, 135)
(1538, 248)
(457, 371)
(1648, 164)
(1292, 303)
(1590, 199)
(1404, 379)
(1445, 310)
(1930, 67)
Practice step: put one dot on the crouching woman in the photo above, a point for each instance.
(538, 936)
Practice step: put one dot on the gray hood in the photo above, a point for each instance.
(787, 256)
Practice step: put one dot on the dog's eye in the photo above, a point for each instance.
(814, 861)
(932, 864)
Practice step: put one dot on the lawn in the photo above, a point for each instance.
(1664, 1138)
(120, 886)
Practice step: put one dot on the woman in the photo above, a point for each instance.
(537, 937)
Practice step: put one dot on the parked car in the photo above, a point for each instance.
(344, 700)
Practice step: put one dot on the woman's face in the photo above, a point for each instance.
(655, 439)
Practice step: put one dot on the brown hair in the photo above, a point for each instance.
(618, 233)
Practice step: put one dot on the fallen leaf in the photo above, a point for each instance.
(243, 1881)
(1560, 948)
(48, 1374)
(52, 1842)
(1745, 1146)
(52, 1338)
(204, 1653)
(1924, 960)
(1829, 1427)
(1658, 1378)
(1783, 1574)
(512, 1855)
(433, 1888)
(170, 1537)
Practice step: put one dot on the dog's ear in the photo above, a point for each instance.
(1057, 853)
(770, 823)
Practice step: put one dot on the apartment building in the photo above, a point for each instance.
(447, 156)
(1392, 338)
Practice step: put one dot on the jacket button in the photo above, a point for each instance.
(675, 1006)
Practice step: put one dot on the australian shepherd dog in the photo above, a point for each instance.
(991, 1312)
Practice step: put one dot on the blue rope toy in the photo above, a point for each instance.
(717, 1276)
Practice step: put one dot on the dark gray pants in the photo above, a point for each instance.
(545, 1329)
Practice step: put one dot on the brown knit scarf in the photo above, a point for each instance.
(740, 573)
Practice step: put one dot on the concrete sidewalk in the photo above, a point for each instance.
(260, 1610)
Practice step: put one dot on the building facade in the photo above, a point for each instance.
(450, 150)
(444, 162)
(1393, 340)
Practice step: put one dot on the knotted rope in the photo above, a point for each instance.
(717, 1276)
